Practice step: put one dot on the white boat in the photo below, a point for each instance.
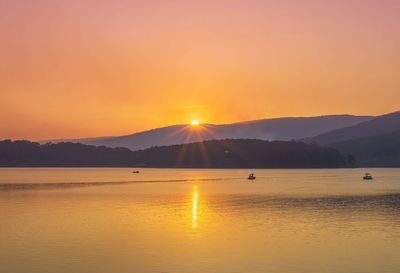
(251, 176)
(368, 176)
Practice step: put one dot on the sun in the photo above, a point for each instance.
(195, 122)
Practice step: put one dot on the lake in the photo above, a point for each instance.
(198, 220)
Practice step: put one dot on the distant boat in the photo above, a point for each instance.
(135, 172)
(368, 176)
(251, 176)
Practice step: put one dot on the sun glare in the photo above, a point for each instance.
(195, 122)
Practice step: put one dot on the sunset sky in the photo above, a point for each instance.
(92, 68)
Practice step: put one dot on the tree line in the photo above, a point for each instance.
(228, 153)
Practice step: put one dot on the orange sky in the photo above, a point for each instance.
(93, 68)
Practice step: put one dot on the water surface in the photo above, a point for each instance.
(192, 220)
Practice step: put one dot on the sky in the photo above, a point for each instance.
(98, 68)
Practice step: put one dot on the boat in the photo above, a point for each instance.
(367, 176)
(251, 176)
(135, 172)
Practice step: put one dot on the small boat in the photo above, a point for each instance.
(135, 172)
(251, 176)
(368, 176)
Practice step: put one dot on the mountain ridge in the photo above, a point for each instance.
(379, 125)
(285, 128)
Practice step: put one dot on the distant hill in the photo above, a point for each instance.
(266, 129)
(243, 153)
(375, 151)
(64, 154)
(377, 126)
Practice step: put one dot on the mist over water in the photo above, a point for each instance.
(198, 220)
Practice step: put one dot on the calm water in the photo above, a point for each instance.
(174, 220)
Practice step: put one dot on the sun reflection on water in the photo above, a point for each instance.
(195, 206)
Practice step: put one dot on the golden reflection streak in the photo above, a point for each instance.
(195, 206)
